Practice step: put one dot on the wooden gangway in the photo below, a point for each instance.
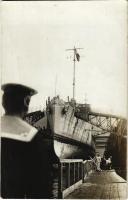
(101, 185)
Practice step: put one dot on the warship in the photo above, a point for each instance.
(70, 136)
(72, 130)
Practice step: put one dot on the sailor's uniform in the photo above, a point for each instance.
(24, 164)
(15, 128)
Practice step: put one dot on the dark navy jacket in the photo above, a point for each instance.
(25, 166)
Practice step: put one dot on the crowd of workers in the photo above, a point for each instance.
(101, 163)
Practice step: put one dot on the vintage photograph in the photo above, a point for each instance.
(64, 100)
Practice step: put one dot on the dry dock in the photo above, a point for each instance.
(101, 185)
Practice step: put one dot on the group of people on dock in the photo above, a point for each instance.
(101, 163)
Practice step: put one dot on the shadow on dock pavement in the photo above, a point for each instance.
(101, 185)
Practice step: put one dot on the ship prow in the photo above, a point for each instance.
(72, 136)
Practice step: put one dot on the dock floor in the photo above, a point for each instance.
(101, 185)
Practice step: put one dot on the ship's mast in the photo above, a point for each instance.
(76, 57)
(74, 77)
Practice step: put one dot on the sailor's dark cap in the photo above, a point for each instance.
(15, 88)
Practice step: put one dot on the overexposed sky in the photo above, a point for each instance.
(35, 36)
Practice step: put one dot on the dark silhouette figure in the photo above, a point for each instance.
(103, 163)
(25, 162)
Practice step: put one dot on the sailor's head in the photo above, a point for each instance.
(16, 98)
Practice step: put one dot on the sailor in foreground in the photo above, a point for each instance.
(22, 166)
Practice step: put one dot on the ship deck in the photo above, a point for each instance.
(101, 185)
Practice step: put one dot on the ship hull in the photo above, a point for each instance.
(72, 136)
(65, 147)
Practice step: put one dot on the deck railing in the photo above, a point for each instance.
(72, 173)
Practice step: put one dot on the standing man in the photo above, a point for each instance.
(22, 166)
(109, 163)
(98, 162)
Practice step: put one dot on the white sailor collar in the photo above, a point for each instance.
(15, 128)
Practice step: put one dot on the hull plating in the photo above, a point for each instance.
(63, 123)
